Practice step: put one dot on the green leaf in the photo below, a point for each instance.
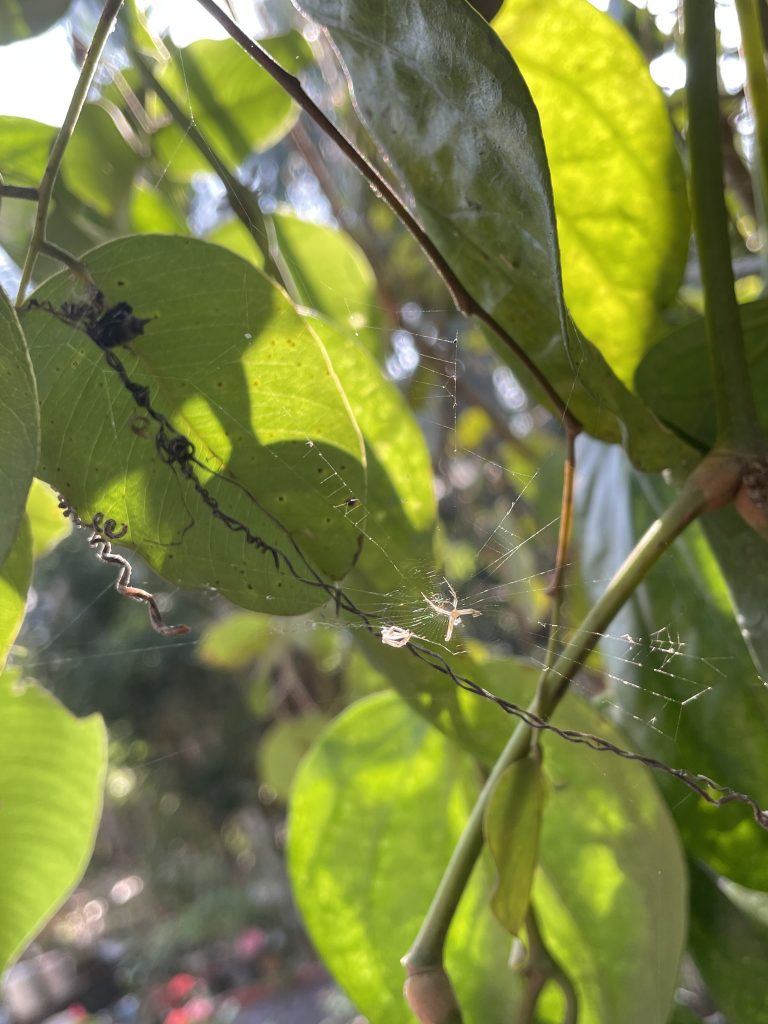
(233, 367)
(282, 747)
(233, 235)
(397, 514)
(377, 807)
(41, 529)
(742, 556)
(512, 827)
(51, 780)
(238, 112)
(48, 525)
(235, 641)
(153, 211)
(607, 841)
(674, 377)
(20, 19)
(24, 148)
(19, 425)
(618, 182)
(680, 677)
(99, 163)
(328, 273)
(730, 948)
(15, 577)
(475, 162)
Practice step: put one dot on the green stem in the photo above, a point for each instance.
(103, 28)
(757, 90)
(542, 967)
(697, 494)
(242, 201)
(738, 426)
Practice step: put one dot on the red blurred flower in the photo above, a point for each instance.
(177, 1016)
(179, 988)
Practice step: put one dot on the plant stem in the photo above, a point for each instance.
(19, 192)
(542, 967)
(242, 201)
(463, 300)
(695, 497)
(100, 35)
(757, 88)
(738, 426)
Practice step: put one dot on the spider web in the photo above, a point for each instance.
(498, 558)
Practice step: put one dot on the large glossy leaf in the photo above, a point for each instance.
(730, 948)
(19, 425)
(683, 683)
(238, 112)
(620, 198)
(674, 378)
(233, 367)
(51, 778)
(474, 160)
(20, 19)
(377, 806)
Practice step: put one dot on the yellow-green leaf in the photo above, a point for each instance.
(51, 780)
(512, 827)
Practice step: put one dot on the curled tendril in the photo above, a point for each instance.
(104, 531)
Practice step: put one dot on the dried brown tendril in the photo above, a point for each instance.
(105, 531)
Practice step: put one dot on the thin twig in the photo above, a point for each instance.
(103, 28)
(19, 192)
(241, 200)
(464, 301)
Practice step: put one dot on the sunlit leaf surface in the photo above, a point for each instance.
(19, 425)
(620, 199)
(377, 807)
(51, 777)
(234, 368)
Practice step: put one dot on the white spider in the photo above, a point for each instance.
(452, 610)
